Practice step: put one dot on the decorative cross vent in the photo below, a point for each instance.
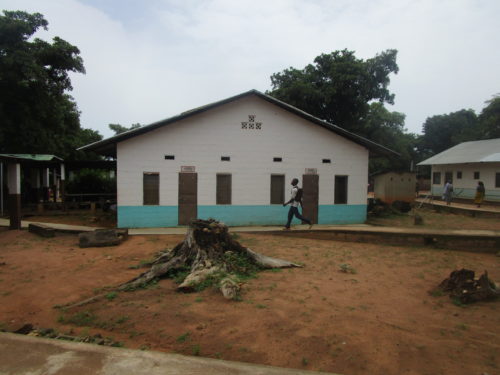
(251, 123)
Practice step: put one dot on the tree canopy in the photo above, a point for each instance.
(36, 113)
(442, 132)
(118, 129)
(338, 87)
(489, 119)
(350, 92)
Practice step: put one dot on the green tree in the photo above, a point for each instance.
(118, 129)
(351, 92)
(489, 119)
(36, 113)
(387, 128)
(338, 87)
(444, 131)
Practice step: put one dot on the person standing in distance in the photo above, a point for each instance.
(294, 202)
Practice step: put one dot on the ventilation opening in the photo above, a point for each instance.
(327, 161)
(225, 158)
(278, 160)
(169, 157)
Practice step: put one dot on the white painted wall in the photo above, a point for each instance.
(487, 172)
(202, 139)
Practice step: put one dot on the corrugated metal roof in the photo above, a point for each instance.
(468, 152)
(108, 146)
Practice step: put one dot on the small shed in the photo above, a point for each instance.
(395, 186)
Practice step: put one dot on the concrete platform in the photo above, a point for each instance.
(58, 227)
(26, 355)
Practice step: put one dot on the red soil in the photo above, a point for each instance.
(378, 320)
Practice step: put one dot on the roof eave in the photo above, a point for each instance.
(106, 144)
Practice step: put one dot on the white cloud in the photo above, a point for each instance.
(150, 60)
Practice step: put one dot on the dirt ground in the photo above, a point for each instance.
(380, 319)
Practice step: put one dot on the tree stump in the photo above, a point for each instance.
(208, 251)
(462, 286)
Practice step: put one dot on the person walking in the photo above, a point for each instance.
(294, 202)
(448, 192)
(480, 192)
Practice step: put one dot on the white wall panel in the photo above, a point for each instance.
(202, 139)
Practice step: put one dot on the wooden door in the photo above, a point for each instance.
(310, 197)
(188, 197)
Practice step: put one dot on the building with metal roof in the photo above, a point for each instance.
(233, 160)
(465, 165)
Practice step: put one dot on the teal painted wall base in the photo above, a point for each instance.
(465, 193)
(167, 216)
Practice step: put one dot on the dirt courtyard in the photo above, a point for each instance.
(379, 319)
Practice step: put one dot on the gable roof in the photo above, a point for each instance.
(468, 152)
(108, 146)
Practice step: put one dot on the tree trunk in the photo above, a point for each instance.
(208, 250)
(462, 286)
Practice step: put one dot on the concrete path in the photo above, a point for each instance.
(60, 227)
(267, 228)
(358, 228)
(27, 355)
(485, 208)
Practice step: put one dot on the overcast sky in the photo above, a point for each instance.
(147, 60)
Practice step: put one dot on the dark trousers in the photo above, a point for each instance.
(294, 211)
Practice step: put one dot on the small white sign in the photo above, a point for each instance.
(188, 168)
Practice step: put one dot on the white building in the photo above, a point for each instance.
(465, 165)
(233, 160)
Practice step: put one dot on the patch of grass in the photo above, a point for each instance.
(179, 274)
(457, 302)
(196, 350)
(142, 263)
(152, 284)
(437, 293)
(462, 326)
(198, 299)
(305, 361)
(122, 319)
(111, 296)
(184, 337)
(261, 306)
(84, 318)
(347, 268)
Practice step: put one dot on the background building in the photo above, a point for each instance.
(465, 164)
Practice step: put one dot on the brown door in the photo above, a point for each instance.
(188, 197)
(310, 186)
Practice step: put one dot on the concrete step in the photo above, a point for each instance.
(27, 355)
